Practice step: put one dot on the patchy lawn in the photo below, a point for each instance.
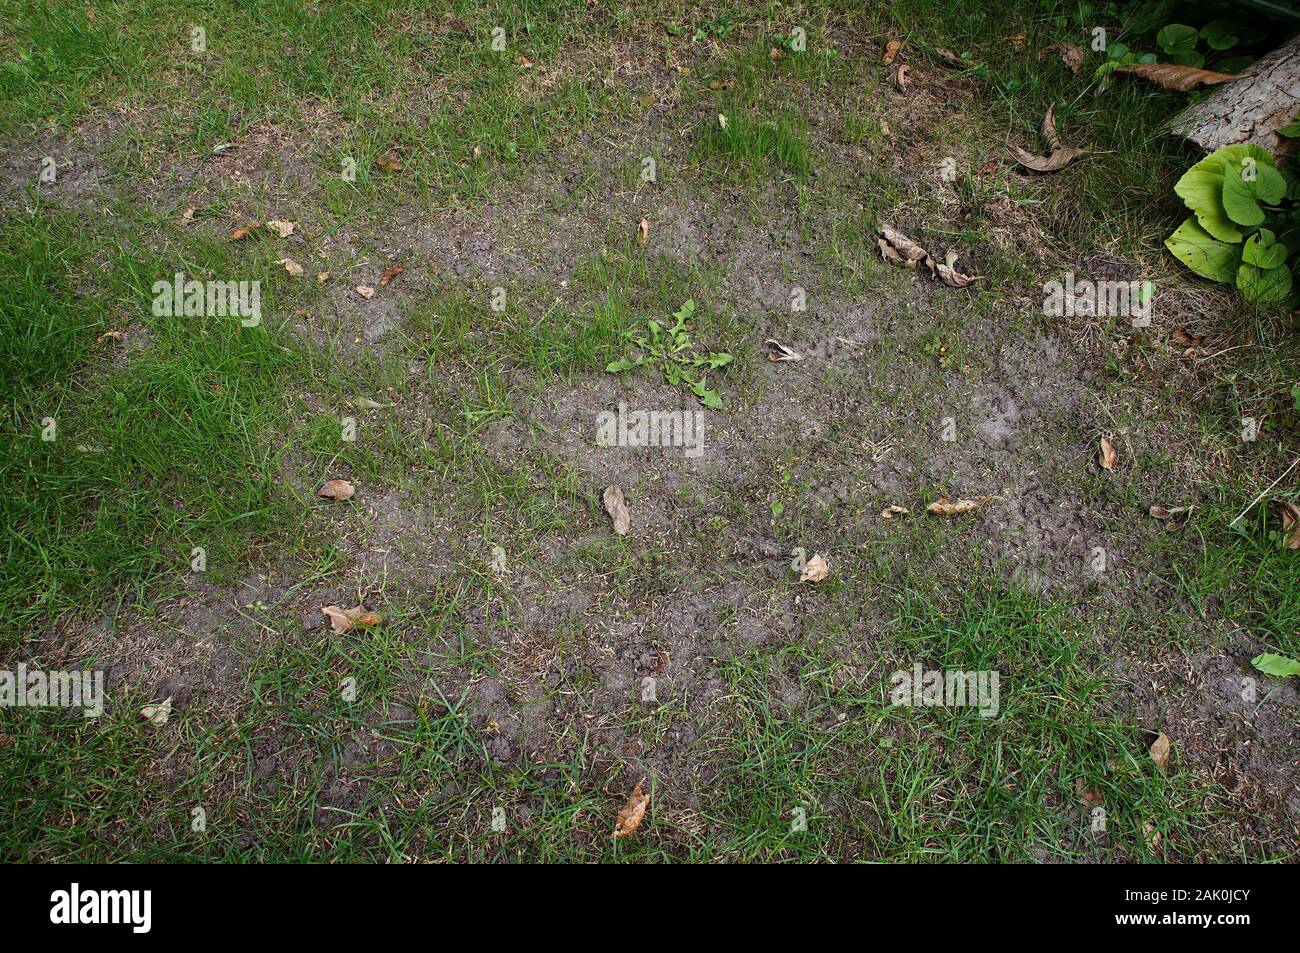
(529, 664)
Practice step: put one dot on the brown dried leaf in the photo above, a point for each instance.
(157, 715)
(1176, 77)
(388, 163)
(643, 230)
(776, 351)
(949, 273)
(1172, 518)
(389, 273)
(283, 229)
(118, 336)
(291, 266)
(1160, 749)
(897, 247)
(891, 50)
(338, 490)
(322, 277)
(366, 291)
(901, 75)
(1086, 794)
(951, 58)
(345, 620)
(1289, 514)
(616, 507)
(1107, 455)
(944, 507)
(245, 231)
(815, 569)
(893, 509)
(1059, 156)
(629, 819)
(1071, 55)
(1180, 337)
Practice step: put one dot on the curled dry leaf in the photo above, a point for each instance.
(1071, 55)
(643, 231)
(897, 247)
(389, 273)
(1160, 751)
(157, 715)
(891, 50)
(776, 351)
(1177, 77)
(345, 620)
(616, 507)
(949, 273)
(291, 266)
(244, 231)
(112, 336)
(523, 61)
(1289, 514)
(951, 58)
(1107, 455)
(366, 291)
(815, 569)
(1058, 156)
(902, 75)
(1172, 518)
(1180, 337)
(283, 229)
(629, 819)
(945, 507)
(337, 490)
(1088, 795)
(892, 510)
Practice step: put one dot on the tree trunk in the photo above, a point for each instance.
(1249, 109)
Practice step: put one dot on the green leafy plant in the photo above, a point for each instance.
(1245, 222)
(1278, 665)
(671, 349)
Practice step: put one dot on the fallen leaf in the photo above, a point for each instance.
(245, 231)
(1289, 514)
(1160, 751)
(291, 266)
(157, 715)
(1182, 338)
(366, 291)
(616, 507)
(951, 58)
(1177, 77)
(775, 54)
(901, 75)
(338, 490)
(944, 507)
(1172, 518)
(776, 351)
(892, 510)
(891, 50)
(1058, 157)
(345, 620)
(815, 569)
(949, 273)
(112, 336)
(897, 247)
(722, 120)
(389, 273)
(643, 231)
(1108, 456)
(283, 229)
(1086, 794)
(322, 277)
(1151, 836)
(476, 153)
(523, 61)
(1071, 55)
(388, 163)
(186, 216)
(629, 819)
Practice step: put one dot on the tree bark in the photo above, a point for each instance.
(1249, 109)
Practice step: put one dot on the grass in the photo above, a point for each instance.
(484, 697)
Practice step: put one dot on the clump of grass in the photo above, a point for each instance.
(753, 147)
